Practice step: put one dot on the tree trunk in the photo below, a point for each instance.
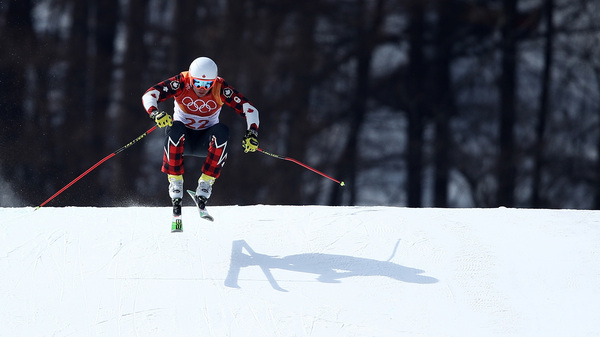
(102, 96)
(536, 200)
(443, 107)
(416, 107)
(366, 31)
(18, 45)
(507, 158)
(130, 119)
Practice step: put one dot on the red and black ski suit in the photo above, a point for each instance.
(196, 130)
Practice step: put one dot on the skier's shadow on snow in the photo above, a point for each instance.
(329, 268)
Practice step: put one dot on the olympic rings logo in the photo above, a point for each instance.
(199, 105)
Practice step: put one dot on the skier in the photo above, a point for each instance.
(194, 129)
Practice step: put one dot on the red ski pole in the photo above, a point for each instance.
(96, 165)
(301, 164)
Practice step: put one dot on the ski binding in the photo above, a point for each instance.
(201, 204)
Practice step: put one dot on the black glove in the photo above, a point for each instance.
(250, 141)
(161, 118)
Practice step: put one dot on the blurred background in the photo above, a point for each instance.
(418, 103)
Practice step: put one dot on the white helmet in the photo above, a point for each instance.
(204, 68)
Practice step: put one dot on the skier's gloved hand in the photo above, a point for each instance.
(161, 118)
(250, 141)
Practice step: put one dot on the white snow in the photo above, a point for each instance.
(299, 271)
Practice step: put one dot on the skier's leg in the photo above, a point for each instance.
(173, 167)
(173, 149)
(173, 164)
(214, 142)
(218, 136)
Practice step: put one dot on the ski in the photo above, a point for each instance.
(177, 223)
(201, 204)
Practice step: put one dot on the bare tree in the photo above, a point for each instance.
(544, 104)
(443, 105)
(507, 85)
(416, 96)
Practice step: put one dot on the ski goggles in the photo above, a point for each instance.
(199, 84)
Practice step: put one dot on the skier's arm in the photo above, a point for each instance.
(160, 92)
(241, 105)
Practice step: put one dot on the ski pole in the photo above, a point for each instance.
(96, 165)
(301, 164)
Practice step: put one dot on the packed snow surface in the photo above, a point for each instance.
(299, 271)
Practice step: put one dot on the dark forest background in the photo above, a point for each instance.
(436, 103)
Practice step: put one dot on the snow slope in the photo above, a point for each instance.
(299, 271)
